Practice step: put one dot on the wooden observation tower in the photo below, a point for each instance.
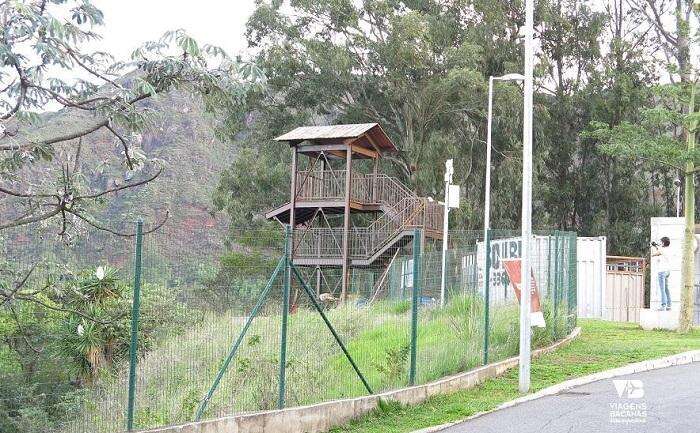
(379, 213)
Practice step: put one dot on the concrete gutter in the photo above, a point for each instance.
(322, 417)
(638, 367)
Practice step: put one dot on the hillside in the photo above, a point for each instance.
(180, 137)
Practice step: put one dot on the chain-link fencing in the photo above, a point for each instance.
(144, 331)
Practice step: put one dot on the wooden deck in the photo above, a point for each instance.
(401, 212)
(330, 184)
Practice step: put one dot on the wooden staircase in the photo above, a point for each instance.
(400, 213)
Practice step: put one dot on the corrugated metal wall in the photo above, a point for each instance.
(591, 254)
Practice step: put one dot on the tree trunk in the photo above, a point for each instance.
(685, 320)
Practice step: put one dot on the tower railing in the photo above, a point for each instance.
(402, 210)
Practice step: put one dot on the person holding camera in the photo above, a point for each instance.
(663, 265)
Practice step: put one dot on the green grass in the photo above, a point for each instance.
(177, 372)
(601, 346)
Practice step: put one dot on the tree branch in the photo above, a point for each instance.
(655, 20)
(26, 195)
(125, 145)
(22, 331)
(90, 70)
(30, 220)
(119, 188)
(75, 134)
(114, 232)
(59, 138)
(67, 310)
(18, 286)
(22, 93)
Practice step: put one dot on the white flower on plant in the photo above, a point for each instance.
(81, 330)
(100, 273)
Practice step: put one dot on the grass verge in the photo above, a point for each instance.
(601, 346)
(175, 374)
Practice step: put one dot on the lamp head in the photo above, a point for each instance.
(510, 77)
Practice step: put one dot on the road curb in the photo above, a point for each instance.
(637, 367)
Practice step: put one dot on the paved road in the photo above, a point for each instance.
(670, 404)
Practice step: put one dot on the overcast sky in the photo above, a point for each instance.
(129, 23)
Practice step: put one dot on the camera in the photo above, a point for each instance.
(654, 244)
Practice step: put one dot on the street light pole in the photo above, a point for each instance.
(487, 186)
(525, 280)
(449, 171)
(677, 183)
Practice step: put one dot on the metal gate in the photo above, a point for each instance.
(624, 295)
(697, 304)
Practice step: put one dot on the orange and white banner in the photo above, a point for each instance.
(512, 268)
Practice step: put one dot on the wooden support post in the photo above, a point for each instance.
(323, 189)
(318, 281)
(346, 226)
(375, 170)
(293, 201)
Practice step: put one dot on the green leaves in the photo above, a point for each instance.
(55, 28)
(189, 46)
(142, 86)
(634, 141)
(656, 138)
(186, 43)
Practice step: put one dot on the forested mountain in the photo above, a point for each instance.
(179, 137)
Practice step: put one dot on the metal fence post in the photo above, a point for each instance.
(414, 304)
(549, 264)
(285, 316)
(562, 266)
(338, 340)
(487, 293)
(234, 349)
(557, 270)
(135, 312)
(567, 268)
(572, 300)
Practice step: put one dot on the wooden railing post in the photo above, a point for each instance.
(402, 210)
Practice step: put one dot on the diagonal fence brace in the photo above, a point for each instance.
(312, 296)
(239, 340)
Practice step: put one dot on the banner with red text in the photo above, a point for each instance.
(512, 268)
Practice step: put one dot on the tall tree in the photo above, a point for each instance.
(45, 63)
(611, 193)
(420, 69)
(570, 36)
(676, 24)
(653, 140)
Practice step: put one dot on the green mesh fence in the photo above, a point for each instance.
(64, 329)
(193, 360)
